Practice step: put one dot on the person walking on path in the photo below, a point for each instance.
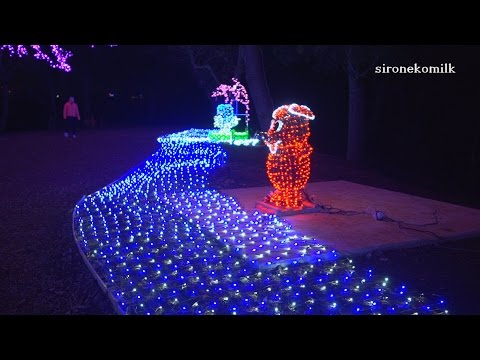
(71, 116)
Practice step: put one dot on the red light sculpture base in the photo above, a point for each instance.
(306, 208)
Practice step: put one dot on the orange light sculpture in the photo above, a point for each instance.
(288, 163)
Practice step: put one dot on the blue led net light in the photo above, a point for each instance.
(164, 243)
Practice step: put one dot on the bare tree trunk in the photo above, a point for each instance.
(87, 102)
(240, 59)
(4, 116)
(52, 121)
(257, 84)
(474, 175)
(357, 123)
(4, 95)
(356, 120)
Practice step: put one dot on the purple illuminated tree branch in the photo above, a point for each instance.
(56, 57)
(235, 92)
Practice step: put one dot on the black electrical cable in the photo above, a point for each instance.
(329, 209)
(402, 225)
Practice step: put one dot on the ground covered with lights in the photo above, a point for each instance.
(45, 175)
(163, 240)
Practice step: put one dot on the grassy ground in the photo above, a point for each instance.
(43, 175)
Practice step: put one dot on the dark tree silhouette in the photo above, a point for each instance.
(257, 83)
(5, 71)
(216, 64)
(56, 57)
(356, 63)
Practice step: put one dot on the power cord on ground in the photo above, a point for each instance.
(377, 215)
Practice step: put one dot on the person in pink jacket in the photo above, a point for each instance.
(71, 116)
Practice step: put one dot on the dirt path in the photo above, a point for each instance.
(43, 176)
